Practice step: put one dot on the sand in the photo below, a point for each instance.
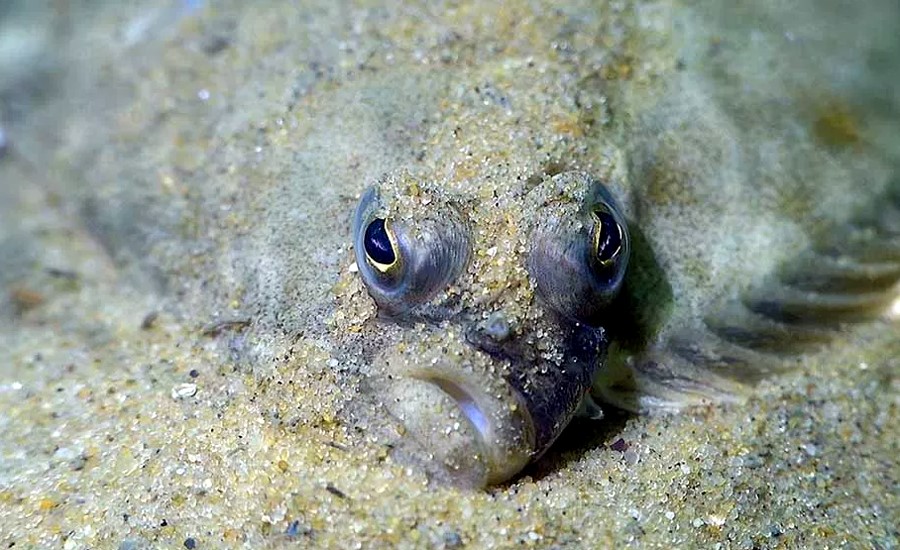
(175, 199)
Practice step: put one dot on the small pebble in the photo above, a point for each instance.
(631, 457)
(296, 529)
(810, 449)
(194, 373)
(65, 453)
(182, 391)
(293, 529)
(78, 463)
(190, 543)
(452, 539)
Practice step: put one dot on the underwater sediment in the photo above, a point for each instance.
(189, 352)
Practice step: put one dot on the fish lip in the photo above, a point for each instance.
(504, 432)
(477, 417)
(540, 398)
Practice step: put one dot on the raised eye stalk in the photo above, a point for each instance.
(405, 260)
(579, 247)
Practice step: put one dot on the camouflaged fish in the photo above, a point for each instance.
(545, 269)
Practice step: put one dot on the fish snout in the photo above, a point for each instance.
(480, 418)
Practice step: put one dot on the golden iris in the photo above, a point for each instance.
(606, 238)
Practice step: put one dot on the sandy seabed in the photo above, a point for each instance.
(175, 193)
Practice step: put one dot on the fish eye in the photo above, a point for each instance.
(406, 256)
(579, 247)
(607, 238)
(379, 245)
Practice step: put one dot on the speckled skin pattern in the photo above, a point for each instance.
(204, 166)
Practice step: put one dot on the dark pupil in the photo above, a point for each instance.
(610, 239)
(378, 245)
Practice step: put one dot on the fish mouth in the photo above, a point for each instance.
(468, 405)
(482, 420)
(477, 432)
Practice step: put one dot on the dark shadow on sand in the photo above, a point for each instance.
(583, 435)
